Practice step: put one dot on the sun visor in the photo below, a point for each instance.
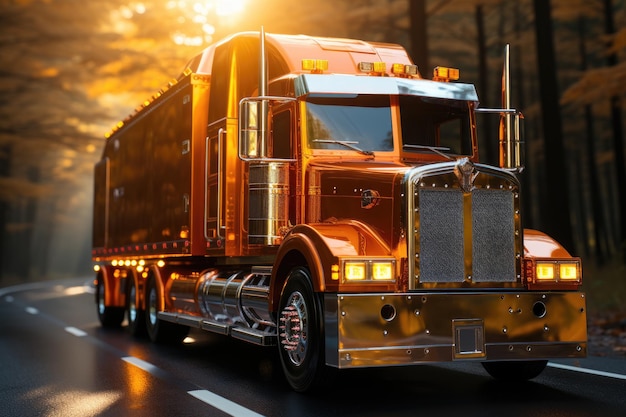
(306, 84)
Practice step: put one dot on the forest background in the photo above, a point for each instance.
(70, 69)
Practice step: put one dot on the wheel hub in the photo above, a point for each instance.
(293, 328)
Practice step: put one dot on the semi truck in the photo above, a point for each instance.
(323, 196)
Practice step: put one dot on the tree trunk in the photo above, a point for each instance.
(418, 35)
(599, 229)
(556, 211)
(618, 135)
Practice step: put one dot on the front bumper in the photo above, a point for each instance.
(366, 330)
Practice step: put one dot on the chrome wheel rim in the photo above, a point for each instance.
(294, 328)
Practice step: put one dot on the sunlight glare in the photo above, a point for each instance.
(229, 7)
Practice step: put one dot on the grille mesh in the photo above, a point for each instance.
(442, 250)
(493, 236)
(442, 235)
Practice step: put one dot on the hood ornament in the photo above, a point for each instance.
(466, 172)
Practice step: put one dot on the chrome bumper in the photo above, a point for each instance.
(366, 330)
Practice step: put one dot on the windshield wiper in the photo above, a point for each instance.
(347, 143)
(439, 150)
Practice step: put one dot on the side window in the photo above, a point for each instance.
(281, 135)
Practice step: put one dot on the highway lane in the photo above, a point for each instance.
(56, 360)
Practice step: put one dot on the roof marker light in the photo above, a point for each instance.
(403, 70)
(374, 68)
(315, 66)
(445, 74)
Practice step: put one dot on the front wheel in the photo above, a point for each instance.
(300, 332)
(515, 371)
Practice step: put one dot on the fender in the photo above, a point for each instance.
(319, 246)
(539, 245)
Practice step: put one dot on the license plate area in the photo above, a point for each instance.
(469, 339)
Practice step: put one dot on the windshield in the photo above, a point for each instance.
(435, 125)
(361, 123)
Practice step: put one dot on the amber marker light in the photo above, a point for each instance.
(334, 271)
(315, 66)
(402, 70)
(377, 68)
(446, 74)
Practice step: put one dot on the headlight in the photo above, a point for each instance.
(553, 273)
(374, 270)
(354, 271)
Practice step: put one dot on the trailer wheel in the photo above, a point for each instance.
(515, 371)
(158, 330)
(300, 332)
(110, 317)
(135, 315)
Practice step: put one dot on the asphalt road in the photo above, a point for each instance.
(56, 360)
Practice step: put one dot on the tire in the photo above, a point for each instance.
(110, 317)
(515, 371)
(300, 341)
(135, 315)
(158, 330)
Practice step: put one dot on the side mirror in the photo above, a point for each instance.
(250, 129)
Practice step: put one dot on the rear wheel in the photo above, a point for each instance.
(135, 315)
(158, 330)
(109, 317)
(300, 332)
(515, 371)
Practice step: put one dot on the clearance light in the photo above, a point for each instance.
(553, 273)
(445, 74)
(334, 272)
(377, 68)
(315, 66)
(354, 271)
(402, 70)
